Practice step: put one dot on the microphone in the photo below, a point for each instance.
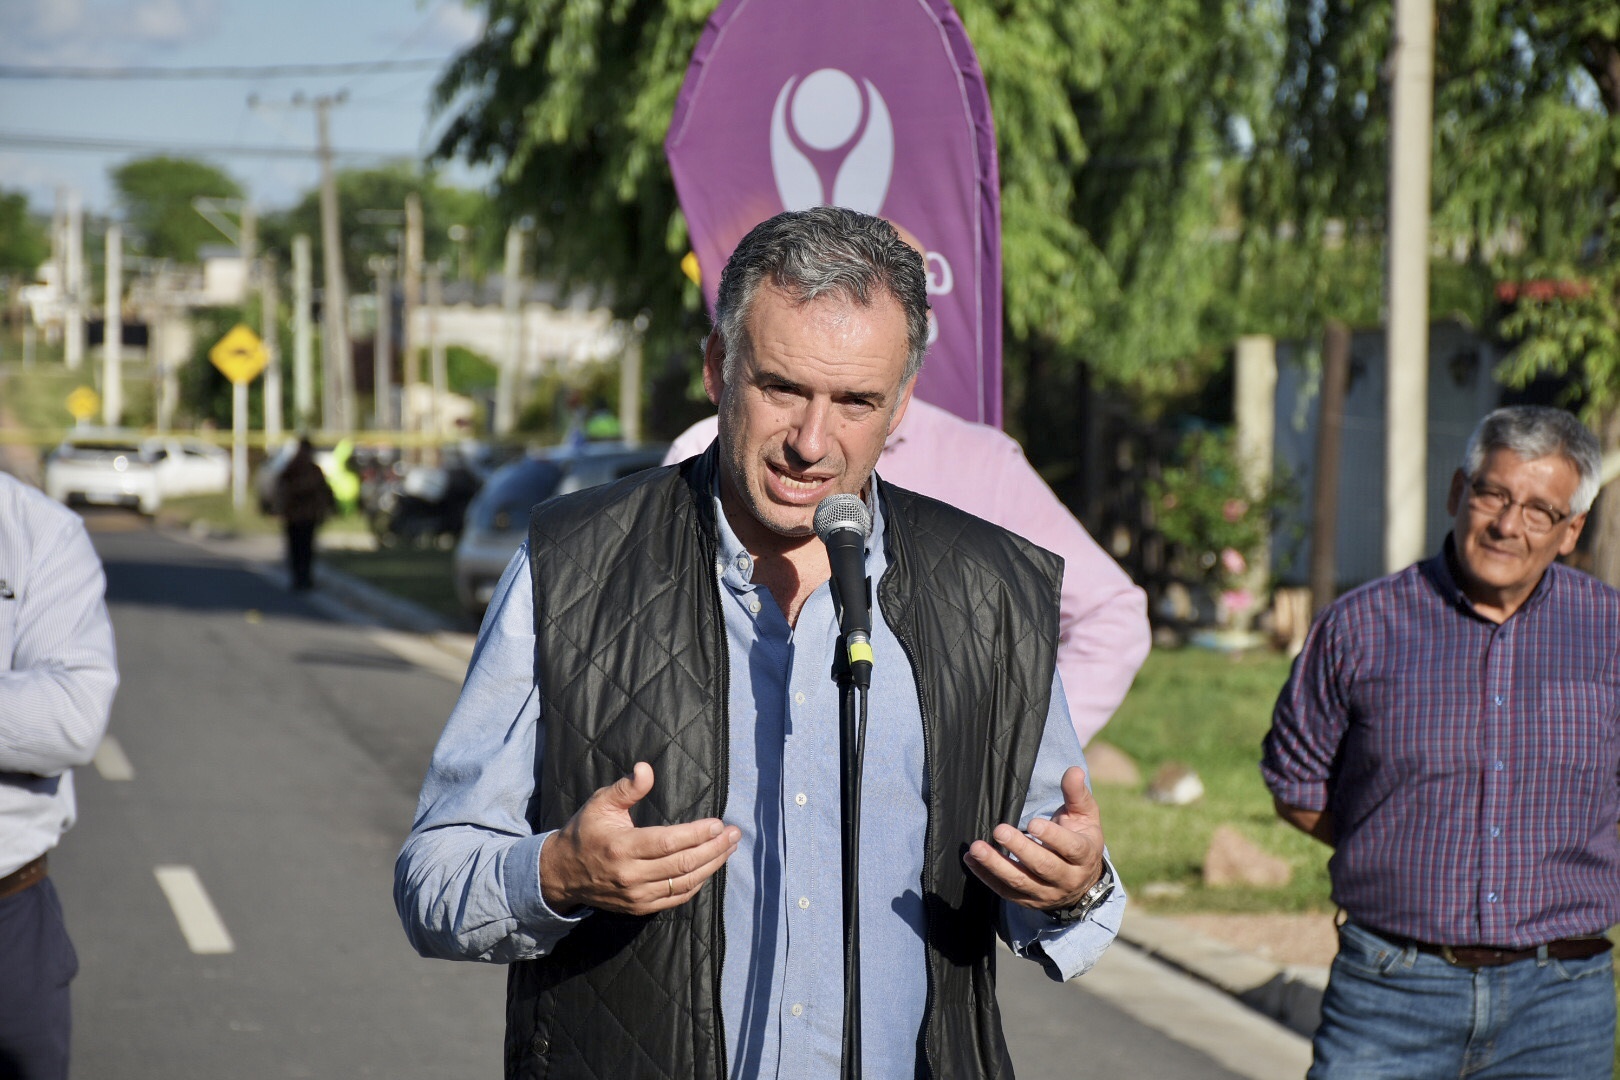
(843, 525)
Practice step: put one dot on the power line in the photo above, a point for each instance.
(94, 144)
(237, 71)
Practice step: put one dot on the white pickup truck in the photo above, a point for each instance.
(134, 470)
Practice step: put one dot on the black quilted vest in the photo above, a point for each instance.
(631, 660)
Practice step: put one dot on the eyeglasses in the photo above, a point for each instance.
(1492, 500)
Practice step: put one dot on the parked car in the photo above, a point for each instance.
(123, 469)
(497, 519)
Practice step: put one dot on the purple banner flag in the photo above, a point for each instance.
(877, 105)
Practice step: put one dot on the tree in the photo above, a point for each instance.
(1526, 180)
(24, 239)
(1112, 124)
(371, 216)
(156, 196)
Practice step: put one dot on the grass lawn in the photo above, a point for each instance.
(1207, 710)
(421, 575)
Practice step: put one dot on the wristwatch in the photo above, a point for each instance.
(1088, 902)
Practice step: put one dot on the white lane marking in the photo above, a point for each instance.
(111, 762)
(200, 923)
(421, 652)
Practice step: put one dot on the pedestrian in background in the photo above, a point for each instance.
(57, 678)
(1453, 732)
(304, 499)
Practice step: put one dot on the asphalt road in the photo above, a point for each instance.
(228, 884)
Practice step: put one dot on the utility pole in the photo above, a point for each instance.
(112, 349)
(382, 358)
(412, 282)
(1406, 406)
(1255, 412)
(338, 406)
(630, 383)
(303, 350)
(440, 371)
(511, 295)
(73, 264)
(270, 334)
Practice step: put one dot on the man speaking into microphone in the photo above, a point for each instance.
(636, 801)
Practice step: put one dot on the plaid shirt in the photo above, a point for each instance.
(1472, 769)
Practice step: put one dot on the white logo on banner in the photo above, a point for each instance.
(824, 114)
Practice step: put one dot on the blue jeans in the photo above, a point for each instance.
(1393, 1013)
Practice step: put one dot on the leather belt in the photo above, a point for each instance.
(21, 878)
(1478, 956)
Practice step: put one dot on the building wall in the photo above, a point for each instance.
(1462, 389)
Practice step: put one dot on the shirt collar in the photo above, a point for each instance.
(735, 564)
(1443, 571)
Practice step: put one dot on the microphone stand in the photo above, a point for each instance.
(852, 756)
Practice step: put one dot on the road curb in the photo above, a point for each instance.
(1289, 994)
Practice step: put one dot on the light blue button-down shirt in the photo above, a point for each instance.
(467, 881)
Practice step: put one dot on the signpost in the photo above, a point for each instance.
(240, 356)
(83, 403)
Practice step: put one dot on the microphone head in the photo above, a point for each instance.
(836, 513)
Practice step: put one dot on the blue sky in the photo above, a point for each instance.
(385, 113)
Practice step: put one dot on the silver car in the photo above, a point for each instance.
(497, 519)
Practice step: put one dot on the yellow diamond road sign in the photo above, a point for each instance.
(83, 403)
(239, 355)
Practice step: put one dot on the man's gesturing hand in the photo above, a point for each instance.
(1057, 866)
(600, 859)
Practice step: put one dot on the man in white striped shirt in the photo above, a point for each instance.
(57, 678)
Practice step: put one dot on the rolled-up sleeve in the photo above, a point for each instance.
(1309, 720)
(467, 881)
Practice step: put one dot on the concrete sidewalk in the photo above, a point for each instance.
(1288, 994)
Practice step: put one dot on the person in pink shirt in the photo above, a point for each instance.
(1104, 636)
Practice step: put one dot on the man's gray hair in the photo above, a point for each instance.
(823, 251)
(1537, 431)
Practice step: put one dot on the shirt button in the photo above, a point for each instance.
(1496, 766)
(800, 798)
(753, 605)
(798, 699)
(1496, 830)
(804, 901)
(798, 1010)
(1490, 898)
(742, 562)
(1498, 698)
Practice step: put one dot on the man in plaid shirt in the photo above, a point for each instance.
(1453, 733)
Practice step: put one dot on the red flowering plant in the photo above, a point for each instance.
(1214, 525)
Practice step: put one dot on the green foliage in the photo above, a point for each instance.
(1570, 327)
(371, 216)
(1111, 124)
(469, 373)
(156, 195)
(1204, 510)
(1526, 153)
(24, 239)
